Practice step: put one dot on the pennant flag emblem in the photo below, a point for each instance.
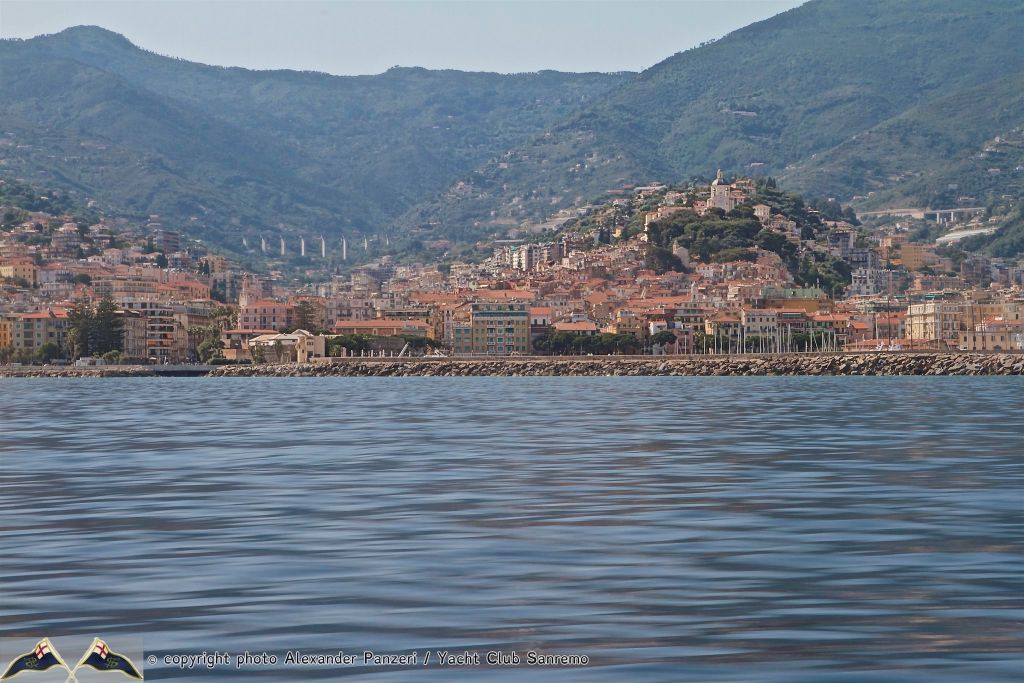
(43, 657)
(102, 658)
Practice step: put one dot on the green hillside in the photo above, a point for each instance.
(762, 99)
(222, 151)
(898, 98)
(931, 155)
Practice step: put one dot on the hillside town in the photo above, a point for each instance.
(731, 267)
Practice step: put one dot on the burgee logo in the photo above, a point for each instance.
(97, 656)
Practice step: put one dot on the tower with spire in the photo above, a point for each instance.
(720, 197)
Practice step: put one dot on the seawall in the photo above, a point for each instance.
(597, 366)
(581, 366)
(104, 370)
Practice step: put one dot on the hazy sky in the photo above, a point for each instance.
(345, 37)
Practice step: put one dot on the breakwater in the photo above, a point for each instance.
(104, 370)
(583, 366)
(67, 371)
(793, 364)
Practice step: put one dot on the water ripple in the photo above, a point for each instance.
(718, 529)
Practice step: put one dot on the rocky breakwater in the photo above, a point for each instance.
(600, 366)
(71, 371)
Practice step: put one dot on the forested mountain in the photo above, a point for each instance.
(224, 151)
(774, 98)
(835, 98)
(931, 155)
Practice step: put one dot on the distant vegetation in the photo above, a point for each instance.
(835, 98)
(225, 152)
(776, 98)
(722, 237)
(938, 154)
(557, 343)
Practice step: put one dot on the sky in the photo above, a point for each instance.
(346, 37)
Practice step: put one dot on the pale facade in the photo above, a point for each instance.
(938, 321)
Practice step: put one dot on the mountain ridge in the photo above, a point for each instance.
(228, 151)
(766, 96)
(356, 150)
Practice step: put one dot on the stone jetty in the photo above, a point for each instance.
(104, 370)
(675, 366)
(577, 366)
(71, 371)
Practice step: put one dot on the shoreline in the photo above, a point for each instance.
(842, 364)
(652, 366)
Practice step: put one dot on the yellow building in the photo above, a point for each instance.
(723, 324)
(628, 322)
(6, 332)
(32, 331)
(915, 256)
(759, 322)
(497, 329)
(20, 269)
(807, 299)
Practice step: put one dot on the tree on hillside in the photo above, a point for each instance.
(80, 323)
(569, 343)
(776, 242)
(224, 317)
(95, 331)
(664, 337)
(210, 348)
(829, 273)
(662, 260)
(353, 343)
(108, 327)
(47, 352)
(734, 254)
(306, 316)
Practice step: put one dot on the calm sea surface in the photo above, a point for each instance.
(670, 529)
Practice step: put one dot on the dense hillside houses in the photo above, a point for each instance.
(730, 266)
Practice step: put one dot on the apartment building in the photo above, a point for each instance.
(938, 321)
(497, 329)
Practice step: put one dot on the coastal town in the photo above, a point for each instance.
(734, 266)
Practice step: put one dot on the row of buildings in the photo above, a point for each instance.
(904, 294)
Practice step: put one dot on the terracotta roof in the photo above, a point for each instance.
(504, 294)
(49, 313)
(575, 327)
